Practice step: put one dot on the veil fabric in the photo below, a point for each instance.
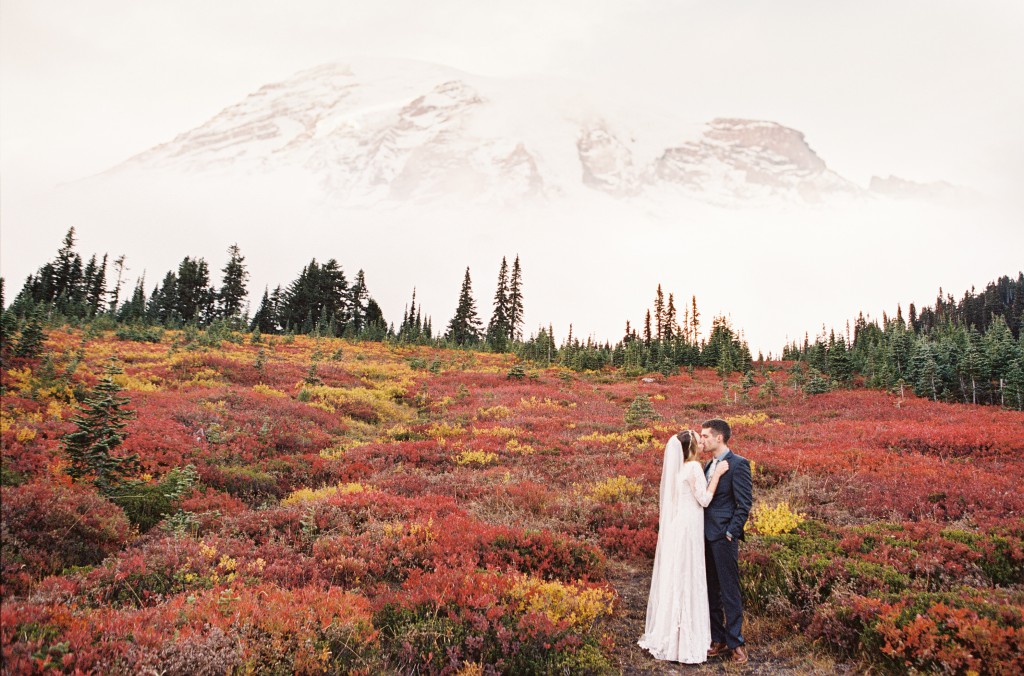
(659, 602)
(678, 623)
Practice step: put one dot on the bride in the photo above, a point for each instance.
(678, 624)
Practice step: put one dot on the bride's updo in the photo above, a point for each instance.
(689, 441)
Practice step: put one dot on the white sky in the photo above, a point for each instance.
(924, 90)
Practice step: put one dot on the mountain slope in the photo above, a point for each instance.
(394, 131)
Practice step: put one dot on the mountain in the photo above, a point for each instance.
(387, 131)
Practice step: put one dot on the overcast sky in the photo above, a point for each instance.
(926, 90)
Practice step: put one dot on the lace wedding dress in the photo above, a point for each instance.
(678, 624)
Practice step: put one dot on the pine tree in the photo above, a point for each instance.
(640, 412)
(694, 320)
(265, 319)
(659, 315)
(670, 328)
(359, 298)
(515, 303)
(233, 290)
(135, 309)
(647, 328)
(30, 342)
(499, 327)
(465, 327)
(1015, 385)
(195, 298)
(100, 424)
(115, 293)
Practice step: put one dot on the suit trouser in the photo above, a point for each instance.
(722, 564)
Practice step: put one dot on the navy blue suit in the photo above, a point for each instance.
(727, 513)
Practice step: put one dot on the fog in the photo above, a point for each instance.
(775, 272)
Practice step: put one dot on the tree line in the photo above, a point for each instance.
(321, 300)
(969, 351)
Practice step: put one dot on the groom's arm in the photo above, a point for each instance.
(743, 497)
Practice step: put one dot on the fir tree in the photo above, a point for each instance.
(100, 424)
(359, 298)
(499, 328)
(265, 319)
(659, 315)
(694, 320)
(115, 293)
(135, 309)
(30, 342)
(465, 327)
(195, 298)
(515, 303)
(233, 290)
(670, 328)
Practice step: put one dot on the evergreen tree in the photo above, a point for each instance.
(135, 309)
(925, 371)
(659, 315)
(195, 298)
(694, 320)
(233, 289)
(515, 303)
(265, 319)
(499, 327)
(163, 302)
(115, 293)
(30, 342)
(359, 298)
(100, 424)
(465, 327)
(670, 328)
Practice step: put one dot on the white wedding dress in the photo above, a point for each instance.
(678, 626)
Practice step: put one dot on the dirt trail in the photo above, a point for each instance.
(767, 656)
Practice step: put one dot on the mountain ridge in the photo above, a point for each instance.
(380, 131)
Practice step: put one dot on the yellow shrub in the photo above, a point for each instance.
(616, 489)
(545, 403)
(747, 419)
(25, 434)
(443, 430)
(519, 448)
(481, 458)
(333, 398)
(310, 494)
(55, 410)
(267, 391)
(135, 384)
(777, 520)
(493, 413)
(502, 432)
(559, 602)
(638, 437)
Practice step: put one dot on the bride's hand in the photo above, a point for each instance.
(722, 468)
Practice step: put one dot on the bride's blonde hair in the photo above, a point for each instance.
(689, 441)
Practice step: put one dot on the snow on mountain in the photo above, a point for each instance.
(386, 131)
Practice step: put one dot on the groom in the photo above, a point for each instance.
(724, 519)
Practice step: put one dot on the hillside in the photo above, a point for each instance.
(376, 508)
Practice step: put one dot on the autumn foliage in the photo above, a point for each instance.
(357, 511)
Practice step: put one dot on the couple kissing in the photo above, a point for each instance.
(694, 610)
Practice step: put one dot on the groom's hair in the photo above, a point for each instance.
(719, 426)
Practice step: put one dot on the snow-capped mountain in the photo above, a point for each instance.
(395, 131)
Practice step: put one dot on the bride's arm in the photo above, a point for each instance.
(703, 493)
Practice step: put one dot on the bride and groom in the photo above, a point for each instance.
(694, 610)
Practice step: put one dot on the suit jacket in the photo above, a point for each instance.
(729, 509)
